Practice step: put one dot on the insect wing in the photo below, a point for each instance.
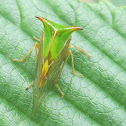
(37, 92)
(40, 94)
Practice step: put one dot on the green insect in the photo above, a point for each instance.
(51, 55)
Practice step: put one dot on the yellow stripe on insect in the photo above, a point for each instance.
(44, 72)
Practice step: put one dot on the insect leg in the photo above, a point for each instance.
(68, 55)
(81, 50)
(36, 46)
(73, 71)
(57, 86)
(38, 40)
(30, 85)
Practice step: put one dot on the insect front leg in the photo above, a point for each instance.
(30, 85)
(36, 46)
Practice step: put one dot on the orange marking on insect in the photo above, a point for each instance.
(44, 73)
(42, 79)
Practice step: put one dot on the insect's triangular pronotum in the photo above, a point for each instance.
(55, 37)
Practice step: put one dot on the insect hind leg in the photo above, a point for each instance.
(58, 88)
(69, 53)
(73, 71)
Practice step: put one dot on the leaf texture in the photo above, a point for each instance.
(99, 98)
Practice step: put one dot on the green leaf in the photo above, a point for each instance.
(99, 98)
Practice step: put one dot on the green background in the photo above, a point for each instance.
(99, 98)
(115, 2)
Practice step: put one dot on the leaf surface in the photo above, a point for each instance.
(99, 98)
